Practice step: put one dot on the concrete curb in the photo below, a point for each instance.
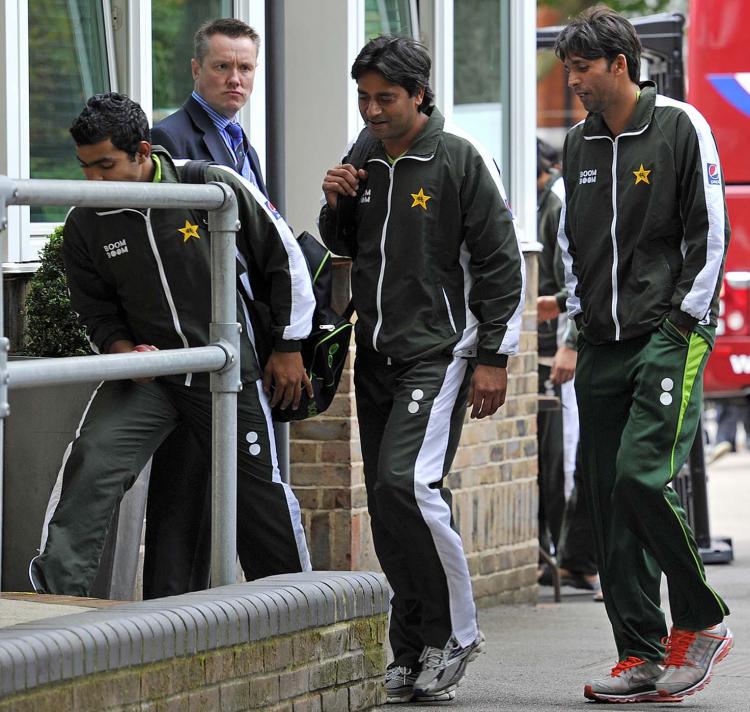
(66, 647)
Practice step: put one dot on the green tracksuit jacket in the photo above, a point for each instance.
(144, 275)
(650, 242)
(437, 266)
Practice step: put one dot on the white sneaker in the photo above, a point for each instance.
(442, 669)
(399, 684)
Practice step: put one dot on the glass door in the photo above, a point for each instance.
(68, 62)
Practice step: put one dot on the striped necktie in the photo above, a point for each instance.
(238, 144)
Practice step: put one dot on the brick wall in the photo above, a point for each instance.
(493, 478)
(299, 642)
(328, 669)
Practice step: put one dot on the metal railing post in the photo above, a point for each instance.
(223, 224)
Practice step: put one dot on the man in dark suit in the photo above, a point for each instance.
(223, 66)
(177, 551)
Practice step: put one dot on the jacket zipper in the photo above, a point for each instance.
(613, 233)
(379, 290)
(165, 287)
(613, 227)
(379, 293)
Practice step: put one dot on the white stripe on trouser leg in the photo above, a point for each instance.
(570, 432)
(54, 498)
(294, 511)
(428, 469)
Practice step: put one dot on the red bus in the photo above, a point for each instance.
(718, 85)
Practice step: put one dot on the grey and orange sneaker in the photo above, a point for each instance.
(443, 668)
(690, 658)
(631, 680)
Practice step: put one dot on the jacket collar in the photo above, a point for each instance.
(168, 169)
(426, 142)
(644, 112)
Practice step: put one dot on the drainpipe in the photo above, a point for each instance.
(276, 155)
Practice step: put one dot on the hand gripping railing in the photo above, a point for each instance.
(221, 357)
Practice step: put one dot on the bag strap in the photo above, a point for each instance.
(362, 148)
(358, 155)
(195, 171)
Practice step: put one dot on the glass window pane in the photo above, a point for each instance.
(476, 76)
(477, 105)
(173, 24)
(67, 64)
(387, 17)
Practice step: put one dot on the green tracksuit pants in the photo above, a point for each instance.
(123, 425)
(639, 403)
(410, 419)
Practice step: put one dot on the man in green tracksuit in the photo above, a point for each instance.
(437, 283)
(643, 232)
(140, 280)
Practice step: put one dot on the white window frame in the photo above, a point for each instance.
(436, 22)
(253, 114)
(521, 112)
(15, 120)
(137, 73)
(519, 104)
(25, 238)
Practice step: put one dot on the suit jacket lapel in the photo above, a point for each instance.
(214, 143)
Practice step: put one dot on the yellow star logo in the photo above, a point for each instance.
(189, 231)
(641, 175)
(420, 199)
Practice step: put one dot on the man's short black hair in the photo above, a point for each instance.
(601, 32)
(228, 26)
(115, 117)
(548, 152)
(402, 61)
(546, 157)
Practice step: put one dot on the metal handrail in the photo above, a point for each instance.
(221, 357)
(110, 367)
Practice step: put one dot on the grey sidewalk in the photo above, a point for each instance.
(538, 658)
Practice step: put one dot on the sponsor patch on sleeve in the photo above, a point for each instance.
(272, 208)
(712, 170)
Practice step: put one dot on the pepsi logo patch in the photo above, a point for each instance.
(712, 169)
(272, 208)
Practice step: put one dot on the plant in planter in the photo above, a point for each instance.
(52, 328)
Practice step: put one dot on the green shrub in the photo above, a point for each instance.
(52, 328)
